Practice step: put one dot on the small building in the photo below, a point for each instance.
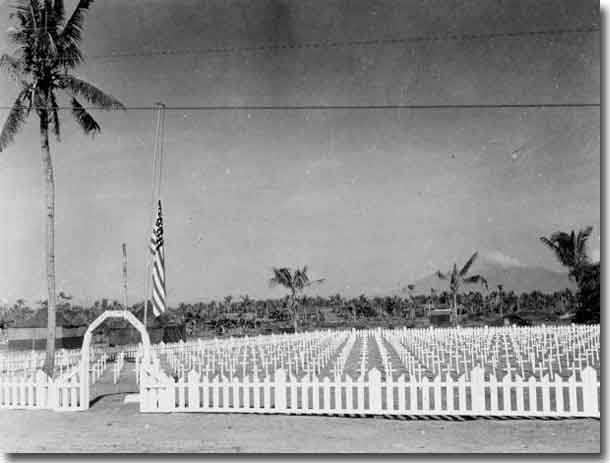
(166, 328)
(440, 317)
(31, 334)
(513, 319)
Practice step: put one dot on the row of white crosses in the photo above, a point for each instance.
(343, 355)
(562, 350)
(15, 364)
(409, 359)
(383, 353)
(523, 351)
(308, 353)
(364, 353)
(536, 351)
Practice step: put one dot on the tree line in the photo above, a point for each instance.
(408, 307)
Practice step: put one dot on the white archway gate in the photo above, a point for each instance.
(86, 348)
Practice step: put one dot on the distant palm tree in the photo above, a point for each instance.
(457, 278)
(411, 289)
(571, 251)
(296, 282)
(501, 299)
(228, 304)
(47, 49)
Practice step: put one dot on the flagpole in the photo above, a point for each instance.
(124, 276)
(155, 192)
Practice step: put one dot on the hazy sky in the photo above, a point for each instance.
(369, 199)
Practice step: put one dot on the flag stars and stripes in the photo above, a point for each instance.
(158, 268)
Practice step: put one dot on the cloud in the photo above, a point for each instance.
(502, 259)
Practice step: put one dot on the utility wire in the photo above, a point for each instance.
(339, 44)
(337, 107)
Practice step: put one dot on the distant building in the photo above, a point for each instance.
(31, 334)
(165, 327)
(440, 317)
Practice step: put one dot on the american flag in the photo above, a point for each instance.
(158, 268)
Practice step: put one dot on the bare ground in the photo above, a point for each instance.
(112, 426)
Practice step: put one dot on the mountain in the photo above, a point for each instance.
(516, 278)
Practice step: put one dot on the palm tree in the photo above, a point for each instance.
(459, 277)
(411, 289)
(227, 304)
(571, 251)
(48, 42)
(501, 299)
(296, 282)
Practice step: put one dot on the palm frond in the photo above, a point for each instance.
(49, 45)
(89, 92)
(562, 246)
(563, 238)
(300, 278)
(441, 275)
(468, 264)
(60, 12)
(15, 120)
(581, 244)
(72, 34)
(315, 282)
(282, 277)
(84, 119)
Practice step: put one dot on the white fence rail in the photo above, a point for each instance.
(476, 396)
(41, 392)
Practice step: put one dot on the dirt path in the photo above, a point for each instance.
(105, 384)
(112, 426)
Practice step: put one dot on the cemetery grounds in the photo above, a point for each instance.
(111, 425)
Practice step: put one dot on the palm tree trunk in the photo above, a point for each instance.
(47, 165)
(454, 314)
(294, 313)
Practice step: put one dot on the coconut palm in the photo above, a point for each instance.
(413, 303)
(571, 251)
(47, 44)
(457, 278)
(501, 299)
(296, 282)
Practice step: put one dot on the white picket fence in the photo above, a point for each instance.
(37, 390)
(476, 396)
(41, 392)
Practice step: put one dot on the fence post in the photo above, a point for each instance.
(85, 382)
(477, 390)
(375, 390)
(53, 398)
(168, 394)
(193, 387)
(589, 392)
(41, 381)
(280, 390)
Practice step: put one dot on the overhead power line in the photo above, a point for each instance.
(339, 107)
(339, 44)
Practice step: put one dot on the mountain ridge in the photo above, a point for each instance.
(517, 278)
